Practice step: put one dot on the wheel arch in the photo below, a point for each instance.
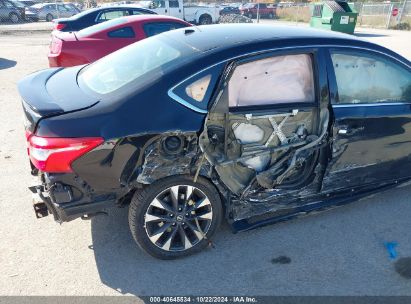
(154, 164)
(202, 12)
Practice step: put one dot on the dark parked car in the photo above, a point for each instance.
(249, 123)
(229, 10)
(12, 11)
(94, 16)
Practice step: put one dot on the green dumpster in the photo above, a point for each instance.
(337, 16)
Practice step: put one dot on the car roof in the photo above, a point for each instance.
(41, 4)
(121, 21)
(204, 38)
(136, 18)
(122, 6)
(219, 43)
(87, 13)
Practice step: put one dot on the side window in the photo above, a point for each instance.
(262, 5)
(137, 12)
(8, 4)
(69, 8)
(271, 81)
(173, 3)
(125, 32)
(158, 4)
(198, 88)
(109, 15)
(62, 8)
(368, 78)
(154, 28)
(195, 92)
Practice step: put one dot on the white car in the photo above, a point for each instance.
(189, 12)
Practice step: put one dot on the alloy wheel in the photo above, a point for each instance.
(178, 218)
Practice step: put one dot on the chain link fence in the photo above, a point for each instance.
(383, 15)
(370, 14)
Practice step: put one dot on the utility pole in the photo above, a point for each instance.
(57, 9)
(402, 11)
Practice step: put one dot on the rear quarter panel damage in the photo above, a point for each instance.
(159, 163)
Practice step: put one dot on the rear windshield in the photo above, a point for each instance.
(83, 13)
(91, 30)
(141, 62)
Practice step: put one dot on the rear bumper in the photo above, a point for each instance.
(32, 16)
(64, 202)
(54, 60)
(65, 60)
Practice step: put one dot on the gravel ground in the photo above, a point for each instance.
(339, 252)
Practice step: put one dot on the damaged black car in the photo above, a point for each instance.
(252, 124)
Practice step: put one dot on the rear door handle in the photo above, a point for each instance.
(343, 131)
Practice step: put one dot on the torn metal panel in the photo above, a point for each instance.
(181, 157)
(314, 204)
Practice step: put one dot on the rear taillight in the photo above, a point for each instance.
(55, 45)
(59, 26)
(53, 154)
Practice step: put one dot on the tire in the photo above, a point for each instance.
(205, 19)
(14, 18)
(250, 15)
(271, 15)
(49, 17)
(168, 243)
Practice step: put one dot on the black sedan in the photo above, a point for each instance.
(253, 124)
(97, 15)
(227, 10)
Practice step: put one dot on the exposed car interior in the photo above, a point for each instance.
(253, 150)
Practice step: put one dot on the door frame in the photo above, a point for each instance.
(321, 99)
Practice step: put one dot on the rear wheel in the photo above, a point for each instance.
(205, 19)
(175, 217)
(14, 18)
(271, 15)
(49, 17)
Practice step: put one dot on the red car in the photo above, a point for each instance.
(92, 43)
(265, 10)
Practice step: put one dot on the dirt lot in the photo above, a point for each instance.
(339, 252)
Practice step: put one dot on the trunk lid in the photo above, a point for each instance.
(64, 36)
(62, 24)
(57, 39)
(52, 92)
